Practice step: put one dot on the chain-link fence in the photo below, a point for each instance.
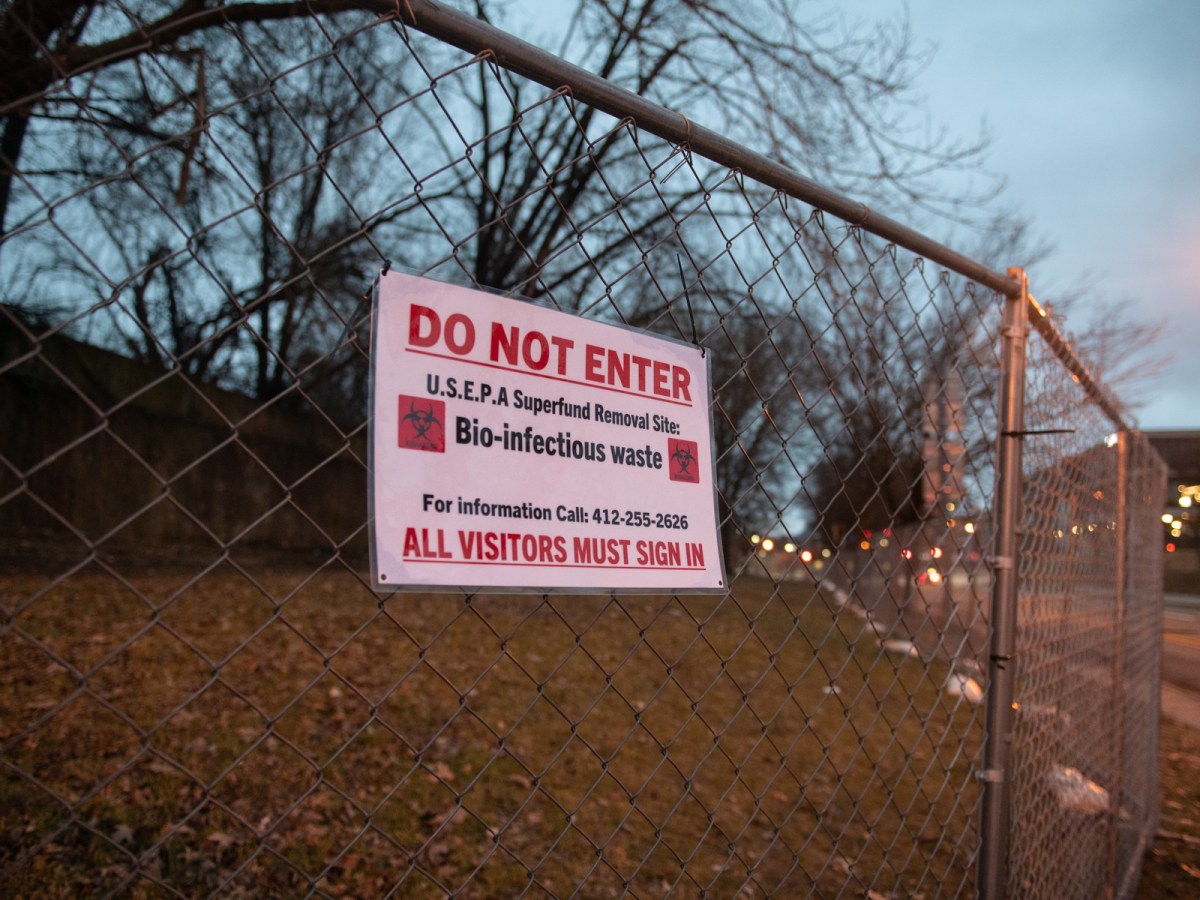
(199, 692)
(1085, 781)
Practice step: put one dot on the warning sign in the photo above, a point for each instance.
(520, 448)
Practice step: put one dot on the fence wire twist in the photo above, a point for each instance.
(200, 695)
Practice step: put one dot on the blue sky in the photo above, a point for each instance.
(1095, 122)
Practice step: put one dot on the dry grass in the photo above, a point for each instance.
(1172, 867)
(278, 734)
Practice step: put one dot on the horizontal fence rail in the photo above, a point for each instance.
(201, 694)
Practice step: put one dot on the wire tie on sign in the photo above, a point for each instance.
(361, 309)
(408, 6)
(688, 300)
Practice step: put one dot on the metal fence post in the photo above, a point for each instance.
(992, 875)
(1119, 650)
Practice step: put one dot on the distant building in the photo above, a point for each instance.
(943, 451)
(1181, 452)
(1180, 449)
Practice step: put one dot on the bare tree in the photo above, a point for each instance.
(128, 106)
(239, 256)
(233, 174)
(828, 100)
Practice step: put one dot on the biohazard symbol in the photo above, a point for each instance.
(422, 419)
(683, 459)
(420, 425)
(684, 464)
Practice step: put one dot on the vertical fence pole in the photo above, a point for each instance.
(992, 874)
(1116, 789)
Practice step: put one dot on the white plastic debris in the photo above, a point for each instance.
(1041, 712)
(901, 645)
(960, 685)
(968, 665)
(1076, 793)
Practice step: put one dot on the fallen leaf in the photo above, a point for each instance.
(221, 840)
(450, 816)
(440, 850)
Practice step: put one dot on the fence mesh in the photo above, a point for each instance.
(1085, 752)
(199, 693)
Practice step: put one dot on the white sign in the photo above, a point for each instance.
(517, 447)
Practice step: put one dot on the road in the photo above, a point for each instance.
(1181, 659)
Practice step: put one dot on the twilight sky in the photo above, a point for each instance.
(1094, 111)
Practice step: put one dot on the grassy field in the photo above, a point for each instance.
(279, 734)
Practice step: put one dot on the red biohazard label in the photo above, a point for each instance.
(684, 466)
(422, 424)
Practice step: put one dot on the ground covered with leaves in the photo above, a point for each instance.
(264, 734)
(1172, 867)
